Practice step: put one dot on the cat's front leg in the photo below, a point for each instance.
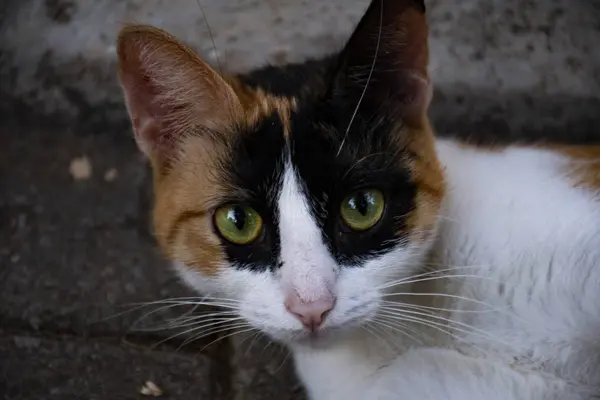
(443, 374)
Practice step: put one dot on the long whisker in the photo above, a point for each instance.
(399, 327)
(469, 329)
(191, 301)
(440, 328)
(287, 356)
(386, 334)
(177, 301)
(366, 84)
(504, 311)
(171, 303)
(419, 306)
(157, 310)
(211, 332)
(371, 330)
(451, 296)
(411, 278)
(189, 298)
(252, 339)
(232, 306)
(209, 323)
(211, 36)
(176, 323)
(229, 335)
(433, 278)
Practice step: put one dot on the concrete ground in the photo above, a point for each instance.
(75, 252)
(76, 255)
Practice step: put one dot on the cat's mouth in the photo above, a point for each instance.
(321, 338)
(316, 339)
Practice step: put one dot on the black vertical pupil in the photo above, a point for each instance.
(362, 203)
(239, 217)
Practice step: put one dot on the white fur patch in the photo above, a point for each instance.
(308, 267)
(523, 248)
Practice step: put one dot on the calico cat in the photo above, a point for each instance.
(394, 264)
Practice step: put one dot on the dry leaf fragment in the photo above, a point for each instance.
(150, 389)
(80, 168)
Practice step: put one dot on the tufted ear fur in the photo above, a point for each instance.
(170, 91)
(385, 62)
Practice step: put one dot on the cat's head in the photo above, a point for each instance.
(300, 208)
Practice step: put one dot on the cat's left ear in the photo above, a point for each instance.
(385, 62)
(170, 92)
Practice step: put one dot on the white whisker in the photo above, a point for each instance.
(392, 304)
(438, 327)
(446, 295)
(433, 278)
(212, 331)
(469, 329)
(208, 324)
(229, 335)
(411, 279)
(176, 323)
(399, 327)
(253, 338)
(371, 330)
(366, 84)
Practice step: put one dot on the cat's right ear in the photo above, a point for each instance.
(170, 92)
(384, 63)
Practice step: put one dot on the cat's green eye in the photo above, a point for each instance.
(362, 209)
(238, 224)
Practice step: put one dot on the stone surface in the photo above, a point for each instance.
(68, 368)
(263, 369)
(75, 253)
(495, 63)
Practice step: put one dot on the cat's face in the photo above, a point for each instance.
(301, 209)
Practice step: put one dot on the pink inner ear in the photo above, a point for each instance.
(147, 116)
(147, 132)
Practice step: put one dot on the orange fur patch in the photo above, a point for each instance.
(258, 104)
(185, 197)
(584, 165)
(427, 174)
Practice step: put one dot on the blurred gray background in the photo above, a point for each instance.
(74, 192)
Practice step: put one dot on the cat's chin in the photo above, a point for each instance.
(320, 340)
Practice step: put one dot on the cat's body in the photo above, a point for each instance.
(395, 265)
(526, 305)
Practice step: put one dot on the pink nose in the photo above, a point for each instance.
(311, 313)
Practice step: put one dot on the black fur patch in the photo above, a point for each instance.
(369, 159)
(352, 100)
(255, 172)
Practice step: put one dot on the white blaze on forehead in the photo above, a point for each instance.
(308, 267)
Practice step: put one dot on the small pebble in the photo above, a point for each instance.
(150, 389)
(80, 168)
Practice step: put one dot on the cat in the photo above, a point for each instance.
(394, 263)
